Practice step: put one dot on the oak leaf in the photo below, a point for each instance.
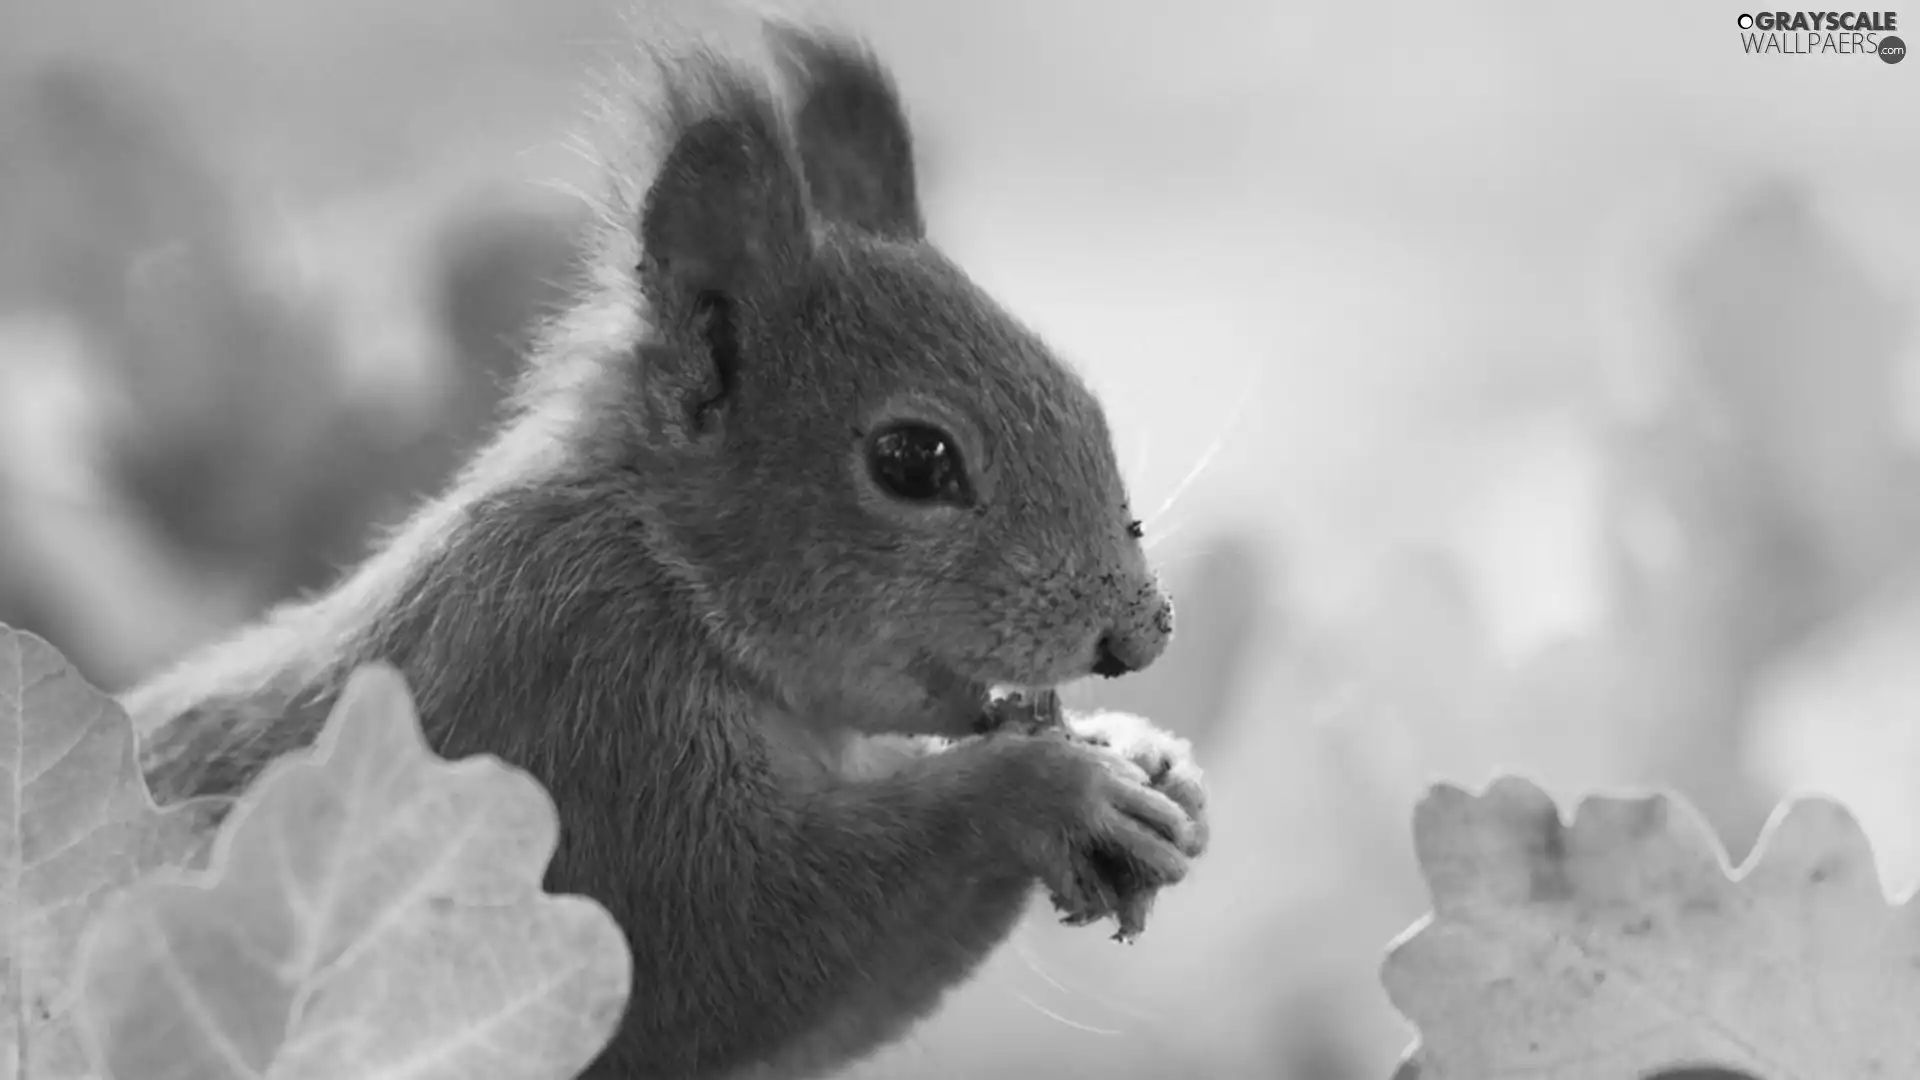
(1622, 947)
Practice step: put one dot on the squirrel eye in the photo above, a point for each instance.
(918, 464)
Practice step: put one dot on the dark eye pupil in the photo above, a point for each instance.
(916, 463)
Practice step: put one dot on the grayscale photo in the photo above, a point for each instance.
(952, 539)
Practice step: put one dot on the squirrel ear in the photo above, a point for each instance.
(856, 148)
(724, 223)
(726, 215)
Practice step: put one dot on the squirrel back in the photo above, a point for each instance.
(782, 494)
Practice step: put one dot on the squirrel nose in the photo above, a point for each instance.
(1124, 650)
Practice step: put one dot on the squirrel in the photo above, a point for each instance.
(783, 502)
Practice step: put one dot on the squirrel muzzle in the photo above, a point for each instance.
(1139, 637)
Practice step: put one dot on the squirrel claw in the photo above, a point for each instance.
(1129, 912)
(1132, 915)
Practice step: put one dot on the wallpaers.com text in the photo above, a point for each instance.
(1815, 32)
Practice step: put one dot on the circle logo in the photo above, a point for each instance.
(1892, 49)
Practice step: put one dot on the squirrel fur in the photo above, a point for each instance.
(780, 499)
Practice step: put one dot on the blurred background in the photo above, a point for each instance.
(1520, 388)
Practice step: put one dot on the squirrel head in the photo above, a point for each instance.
(885, 492)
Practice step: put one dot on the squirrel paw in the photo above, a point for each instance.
(1147, 824)
(1165, 758)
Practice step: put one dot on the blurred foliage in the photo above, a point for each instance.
(233, 457)
(232, 435)
(1778, 463)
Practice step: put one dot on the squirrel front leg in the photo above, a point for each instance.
(869, 899)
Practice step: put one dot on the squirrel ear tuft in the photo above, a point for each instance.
(723, 225)
(726, 214)
(856, 147)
